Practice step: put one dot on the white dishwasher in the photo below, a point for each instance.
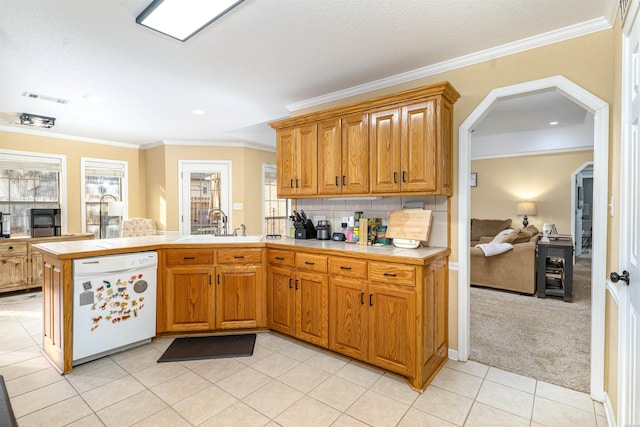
(114, 303)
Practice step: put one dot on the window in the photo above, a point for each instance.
(104, 182)
(275, 210)
(27, 181)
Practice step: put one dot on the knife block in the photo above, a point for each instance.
(308, 232)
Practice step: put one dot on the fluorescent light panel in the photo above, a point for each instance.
(182, 19)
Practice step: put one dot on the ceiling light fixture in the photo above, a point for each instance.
(198, 112)
(181, 20)
(553, 123)
(35, 120)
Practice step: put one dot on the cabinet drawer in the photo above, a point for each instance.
(284, 258)
(311, 262)
(392, 273)
(189, 256)
(17, 248)
(348, 267)
(242, 256)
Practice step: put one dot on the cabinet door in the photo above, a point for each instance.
(13, 272)
(189, 299)
(418, 148)
(355, 154)
(348, 310)
(307, 160)
(281, 300)
(239, 297)
(384, 145)
(312, 309)
(285, 162)
(36, 269)
(392, 328)
(329, 157)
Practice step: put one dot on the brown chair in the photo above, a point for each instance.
(134, 227)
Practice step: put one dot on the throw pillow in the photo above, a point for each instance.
(520, 235)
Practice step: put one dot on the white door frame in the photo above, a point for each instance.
(577, 237)
(626, 334)
(600, 110)
(188, 166)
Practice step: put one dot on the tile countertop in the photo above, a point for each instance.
(90, 248)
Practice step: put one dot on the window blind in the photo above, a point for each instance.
(27, 162)
(97, 168)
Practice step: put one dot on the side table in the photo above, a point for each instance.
(554, 269)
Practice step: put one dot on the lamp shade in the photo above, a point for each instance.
(115, 208)
(526, 208)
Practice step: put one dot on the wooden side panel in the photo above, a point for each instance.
(392, 328)
(384, 146)
(281, 300)
(307, 160)
(329, 157)
(355, 154)
(419, 155)
(35, 264)
(348, 317)
(57, 342)
(189, 302)
(238, 299)
(445, 127)
(312, 300)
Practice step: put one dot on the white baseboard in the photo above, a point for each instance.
(608, 409)
(453, 354)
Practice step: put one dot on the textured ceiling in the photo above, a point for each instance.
(243, 70)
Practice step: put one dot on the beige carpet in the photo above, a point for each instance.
(546, 339)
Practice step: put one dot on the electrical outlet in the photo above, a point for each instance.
(345, 219)
(237, 206)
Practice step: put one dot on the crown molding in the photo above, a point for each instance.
(213, 143)
(67, 137)
(533, 42)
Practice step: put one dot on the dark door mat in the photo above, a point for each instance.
(212, 347)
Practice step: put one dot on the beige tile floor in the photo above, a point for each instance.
(285, 383)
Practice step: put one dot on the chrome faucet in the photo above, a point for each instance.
(243, 228)
(218, 229)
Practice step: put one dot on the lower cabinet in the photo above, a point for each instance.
(189, 297)
(297, 298)
(239, 297)
(373, 322)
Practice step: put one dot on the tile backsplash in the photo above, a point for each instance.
(335, 209)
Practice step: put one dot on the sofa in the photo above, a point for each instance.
(514, 270)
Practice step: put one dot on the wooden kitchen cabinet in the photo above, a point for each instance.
(372, 321)
(239, 295)
(189, 299)
(406, 137)
(297, 162)
(187, 294)
(343, 160)
(13, 266)
(298, 298)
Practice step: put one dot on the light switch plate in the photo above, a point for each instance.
(237, 206)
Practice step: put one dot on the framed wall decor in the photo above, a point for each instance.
(473, 181)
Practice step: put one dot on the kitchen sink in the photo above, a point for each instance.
(210, 238)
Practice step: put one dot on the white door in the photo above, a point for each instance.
(629, 410)
(204, 191)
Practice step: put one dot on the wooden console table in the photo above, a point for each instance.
(554, 269)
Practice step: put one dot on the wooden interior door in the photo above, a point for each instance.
(312, 300)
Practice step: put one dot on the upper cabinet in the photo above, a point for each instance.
(387, 146)
(297, 149)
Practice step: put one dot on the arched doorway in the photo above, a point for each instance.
(600, 111)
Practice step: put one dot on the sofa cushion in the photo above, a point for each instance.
(520, 235)
(488, 227)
